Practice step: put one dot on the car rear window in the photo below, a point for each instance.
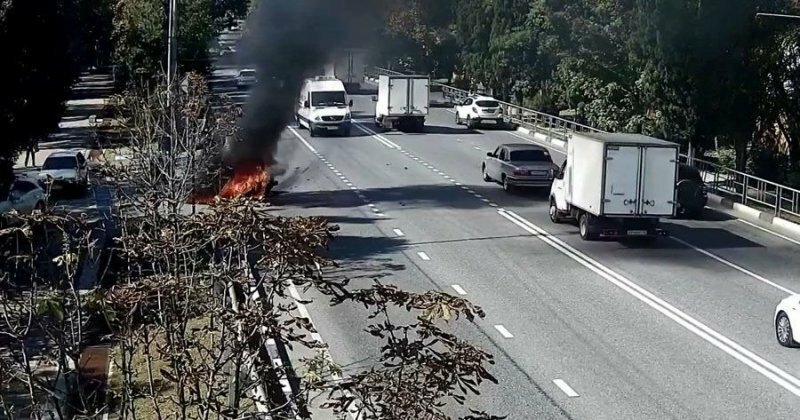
(487, 104)
(530, 156)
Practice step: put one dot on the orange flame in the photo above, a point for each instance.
(249, 179)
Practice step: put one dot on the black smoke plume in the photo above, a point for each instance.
(288, 41)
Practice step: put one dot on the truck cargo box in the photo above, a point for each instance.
(622, 175)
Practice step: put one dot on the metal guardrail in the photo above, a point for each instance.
(738, 186)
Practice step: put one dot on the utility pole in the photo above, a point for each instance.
(172, 43)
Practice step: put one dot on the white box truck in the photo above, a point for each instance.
(349, 66)
(616, 185)
(403, 102)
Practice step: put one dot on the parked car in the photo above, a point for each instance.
(787, 314)
(477, 110)
(66, 170)
(691, 191)
(246, 78)
(25, 196)
(519, 165)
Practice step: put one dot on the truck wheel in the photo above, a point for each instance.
(554, 216)
(585, 226)
(486, 177)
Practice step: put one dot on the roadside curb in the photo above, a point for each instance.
(745, 212)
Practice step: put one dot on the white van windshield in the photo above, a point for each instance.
(327, 98)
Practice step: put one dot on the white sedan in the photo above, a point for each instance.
(787, 314)
(25, 197)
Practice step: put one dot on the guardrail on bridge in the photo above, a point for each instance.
(782, 201)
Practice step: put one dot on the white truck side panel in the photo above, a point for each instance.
(659, 167)
(621, 180)
(420, 96)
(398, 97)
(584, 188)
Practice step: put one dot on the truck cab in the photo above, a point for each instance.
(324, 107)
(616, 185)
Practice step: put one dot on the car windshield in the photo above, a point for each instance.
(64, 162)
(327, 98)
(487, 104)
(530, 156)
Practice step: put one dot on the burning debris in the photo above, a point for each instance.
(250, 179)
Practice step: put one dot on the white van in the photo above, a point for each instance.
(323, 106)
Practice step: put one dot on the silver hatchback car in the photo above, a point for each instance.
(519, 165)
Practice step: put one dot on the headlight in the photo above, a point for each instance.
(317, 118)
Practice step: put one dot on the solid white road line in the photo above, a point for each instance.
(503, 331)
(561, 384)
(794, 241)
(388, 143)
(398, 232)
(460, 290)
(734, 266)
(307, 144)
(423, 256)
(747, 357)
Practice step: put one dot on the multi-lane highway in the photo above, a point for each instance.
(588, 330)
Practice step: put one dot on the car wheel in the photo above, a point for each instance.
(311, 131)
(458, 119)
(783, 331)
(507, 187)
(486, 176)
(554, 216)
(470, 124)
(585, 227)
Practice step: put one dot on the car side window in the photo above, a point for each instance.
(502, 154)
(468, 102)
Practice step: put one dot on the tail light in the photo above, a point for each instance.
(551, 173)
(475, 110)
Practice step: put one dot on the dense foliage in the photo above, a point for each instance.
(707, 72)
(47, 43)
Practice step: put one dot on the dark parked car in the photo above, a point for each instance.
(692, 193)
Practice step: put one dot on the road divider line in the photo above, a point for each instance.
(423, 256)
(460, 290)
(307, 144)
(388, 143)
(503, 331)
(728, 346)
(734, 266)
(564, 387)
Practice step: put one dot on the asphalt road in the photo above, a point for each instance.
(603, 330)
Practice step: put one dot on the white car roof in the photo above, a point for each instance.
(64, 153)
(484, 98)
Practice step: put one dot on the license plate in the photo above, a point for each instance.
(333, 128)
(637, 233)
(489, 121)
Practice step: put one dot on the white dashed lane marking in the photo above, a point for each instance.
(503, 331)
(398, 232)
(375, 210)
(460, 290)
(423, 256)
(564, 386)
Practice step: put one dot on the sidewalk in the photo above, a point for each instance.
(89, 104)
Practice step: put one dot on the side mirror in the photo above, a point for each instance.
(306, 104)
(490, 154)
(374, 99)
(350, 103)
